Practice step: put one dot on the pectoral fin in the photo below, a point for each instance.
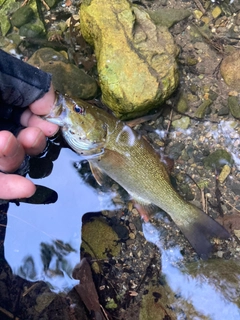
(98, 174)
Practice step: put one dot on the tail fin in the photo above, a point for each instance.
(201, 231)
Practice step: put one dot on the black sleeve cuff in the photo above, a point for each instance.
(20, 83)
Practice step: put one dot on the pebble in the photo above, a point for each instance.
(237, 233)
(220, 254)
(132, 236)
(224, 173)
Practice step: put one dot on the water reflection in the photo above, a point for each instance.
(209, 289)
(43, 241)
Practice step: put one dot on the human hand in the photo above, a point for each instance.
(31, 141)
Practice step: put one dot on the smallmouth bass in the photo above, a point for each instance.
(114, 149)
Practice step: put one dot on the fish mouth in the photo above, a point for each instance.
(59, 112)
(57, 116)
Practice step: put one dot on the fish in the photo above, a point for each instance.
(114, 149)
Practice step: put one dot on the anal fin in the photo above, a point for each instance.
(145, 210)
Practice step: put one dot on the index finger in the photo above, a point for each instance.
(44, 105)
(28, 119)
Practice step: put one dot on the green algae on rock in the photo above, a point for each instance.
(5, 24)
(182, 123)
(218, 159)
(22, 16)
(234, 106)
(202, 109)
(155, 303)
(32, 29)
(182, 104)
(99, 239)
(135, 58)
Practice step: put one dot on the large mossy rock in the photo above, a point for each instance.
(136, 59)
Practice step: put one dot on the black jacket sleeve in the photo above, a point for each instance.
(20, 83)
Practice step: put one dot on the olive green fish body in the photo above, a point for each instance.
(132, 162)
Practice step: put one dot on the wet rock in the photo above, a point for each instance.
(224, 111)
(66, 77)
(175, 150)
(182, 105)
(5, 24)
(198, 14)
(235, 187)
(216, 12)
(14, 38)
(184, 155)
(6, 7)
(212, 95)
(234, 106)
(224, 173)
(168, 17)
(22, 16)
(155, 303)
(218, 159)
(136, 59)
(32, 30)
(44, 300)
(191, 61)
(230, 70)
(202, 109)
(182, 123)
(186, 191)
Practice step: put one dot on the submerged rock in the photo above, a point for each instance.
(22, 16)
(168, 17)
(182, 123)
(99, 239)
(5, 24)
(155, 303)
(230, 70)
(182, 104)
(218, 159)
(32, 29)
(202, 109)
(67, 78)
(136, 59)
(234, 106)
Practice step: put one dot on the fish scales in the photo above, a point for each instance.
(115, 149)
(144, 177)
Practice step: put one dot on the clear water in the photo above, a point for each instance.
(212, 295)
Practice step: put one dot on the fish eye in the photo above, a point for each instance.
(78, 109)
